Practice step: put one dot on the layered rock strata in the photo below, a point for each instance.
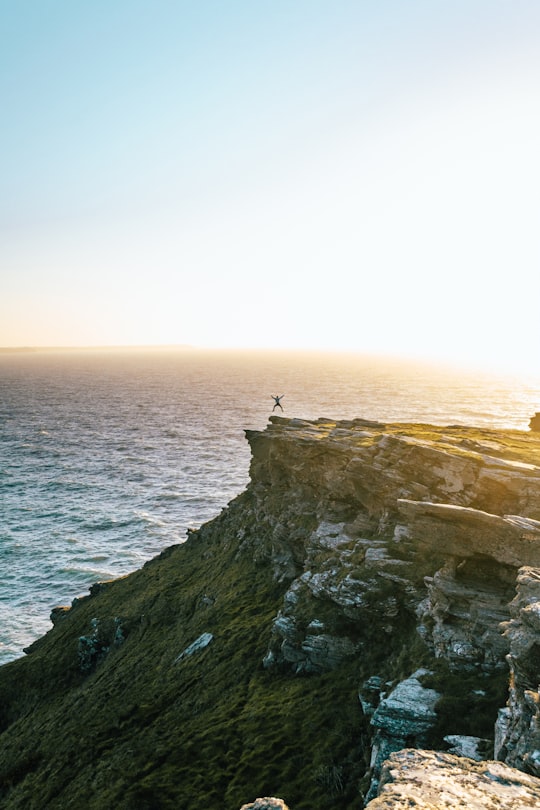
(442, 545)
(517, 739)
(401, 527)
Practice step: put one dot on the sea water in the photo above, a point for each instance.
(108, 457)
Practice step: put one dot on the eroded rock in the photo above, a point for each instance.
(462, 745)
(401, 720)
(517, 740)
(427, 780)
(460, 619)
(93, 647)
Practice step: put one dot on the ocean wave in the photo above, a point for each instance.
(88, 571)
(107, 523)
(146, 517)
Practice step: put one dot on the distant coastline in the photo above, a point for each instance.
(30, 349)
(18, 349)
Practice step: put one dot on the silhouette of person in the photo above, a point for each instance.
(277, 403)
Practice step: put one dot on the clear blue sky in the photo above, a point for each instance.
(340, 175)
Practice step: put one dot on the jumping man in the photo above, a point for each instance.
(277, 403)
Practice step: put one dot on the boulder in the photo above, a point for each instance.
(199, 644)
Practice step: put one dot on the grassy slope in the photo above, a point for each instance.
(141, 731)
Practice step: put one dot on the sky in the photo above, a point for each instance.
(308, 174)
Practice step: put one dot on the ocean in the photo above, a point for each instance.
(108, 457)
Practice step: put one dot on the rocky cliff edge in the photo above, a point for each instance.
(375, 590)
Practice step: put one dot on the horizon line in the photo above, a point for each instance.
(451, 363)
(197, 347)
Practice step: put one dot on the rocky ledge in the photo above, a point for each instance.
(429, 779)
(373, 594)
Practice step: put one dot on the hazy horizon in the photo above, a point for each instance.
(384, 361)
(307, 176)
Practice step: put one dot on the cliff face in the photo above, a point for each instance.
(377, 587)
(417, 534)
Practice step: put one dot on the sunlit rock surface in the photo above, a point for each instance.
(429, 780)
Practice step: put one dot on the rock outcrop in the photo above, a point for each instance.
(389, 539)
(375, 588)
(401, 720)
(517, 739)
(429, 780)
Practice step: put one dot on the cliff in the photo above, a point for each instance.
(375, 589)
